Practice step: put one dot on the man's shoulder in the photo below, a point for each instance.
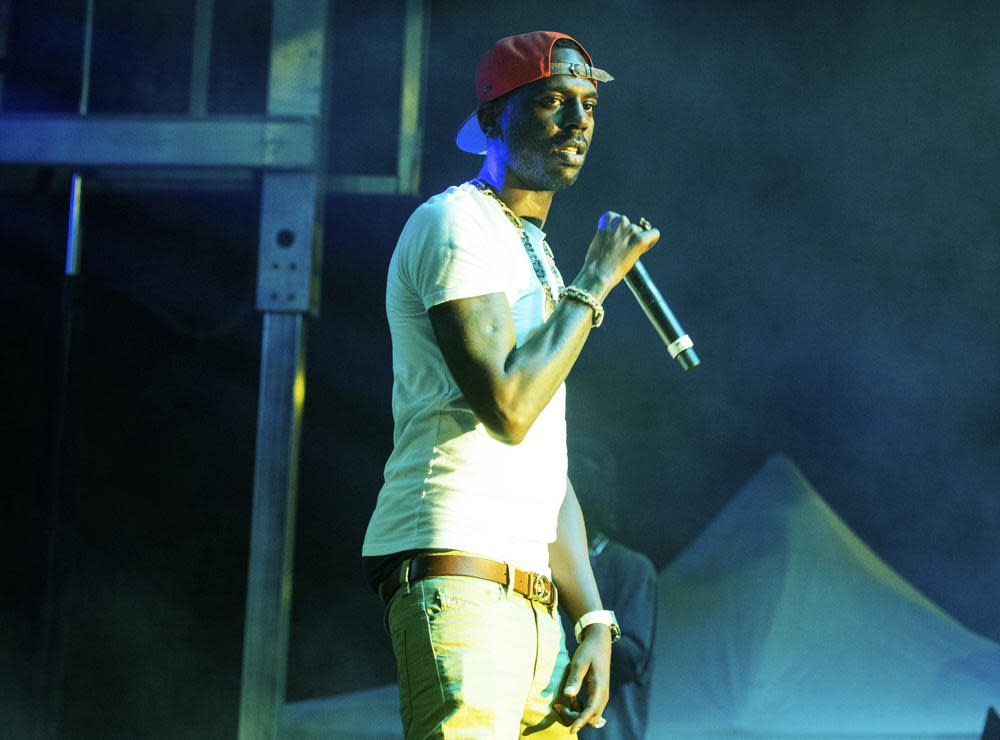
(456, 202)
(458, 215)
(446, 240)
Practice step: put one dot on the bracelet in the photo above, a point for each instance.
(599, 616)
(579, 294)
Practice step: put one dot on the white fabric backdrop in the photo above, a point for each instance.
(779, 621)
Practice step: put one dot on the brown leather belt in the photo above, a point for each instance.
(534, 586)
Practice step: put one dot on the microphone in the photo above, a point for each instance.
(678, 343)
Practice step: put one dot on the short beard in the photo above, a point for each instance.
(535, 177)
(530, 167)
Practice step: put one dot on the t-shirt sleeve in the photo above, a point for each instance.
(450, 254)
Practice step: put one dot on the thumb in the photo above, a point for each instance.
(573, 680)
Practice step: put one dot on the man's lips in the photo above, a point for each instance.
(571, 152)
(574, 146)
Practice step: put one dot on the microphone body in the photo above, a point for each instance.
(678, 343)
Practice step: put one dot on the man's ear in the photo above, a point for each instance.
(489, 119)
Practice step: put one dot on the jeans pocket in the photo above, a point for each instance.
(441, 600)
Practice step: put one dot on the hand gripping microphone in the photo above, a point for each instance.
(678, 343)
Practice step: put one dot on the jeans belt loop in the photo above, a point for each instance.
(509, 586)
(404, 575)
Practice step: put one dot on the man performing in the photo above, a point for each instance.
(477, 531)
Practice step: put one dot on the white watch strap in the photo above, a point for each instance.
(598, 616)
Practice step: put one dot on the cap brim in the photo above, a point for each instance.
(470, 137)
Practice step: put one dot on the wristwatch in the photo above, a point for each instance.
(598, 616)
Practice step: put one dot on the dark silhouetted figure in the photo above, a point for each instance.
(627, 582)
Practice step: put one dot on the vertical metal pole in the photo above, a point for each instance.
(74, 231)
(415, 35)
(74, 235)
(269, 583)
(287, 289)
(60, 554)
(201, 56)
(4, 27)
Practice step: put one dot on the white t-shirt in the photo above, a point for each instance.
(448, 482)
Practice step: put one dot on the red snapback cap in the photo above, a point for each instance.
(515, 61)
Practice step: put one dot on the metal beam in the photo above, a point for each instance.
(361, 184)
(288, 277)
(272, 532)
(288, 272)
(269, 143)
(298, 42)
(408, 155)
(4, 30)
(201, 56)
(62, 545)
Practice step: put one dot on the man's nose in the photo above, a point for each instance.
(574, 115)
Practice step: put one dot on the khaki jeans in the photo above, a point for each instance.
(475, 661)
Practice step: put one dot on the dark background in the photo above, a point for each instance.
(826, 180)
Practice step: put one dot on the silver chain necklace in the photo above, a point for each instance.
(551, 293)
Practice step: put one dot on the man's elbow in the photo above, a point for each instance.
(507, 427)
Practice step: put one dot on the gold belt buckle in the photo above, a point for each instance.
(541, 589)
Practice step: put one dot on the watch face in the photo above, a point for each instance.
(616, 631)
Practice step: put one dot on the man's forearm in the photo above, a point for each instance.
(590, 668)
(570, 560)
(508, 386)
(533, 372)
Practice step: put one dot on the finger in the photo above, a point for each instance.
(574, 679)
(587, 717)
(566, 715)
(646, 238)
(590, 714)
(569, 703)
(607, 220)
(568, 695)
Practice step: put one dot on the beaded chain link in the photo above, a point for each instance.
(552, 292)
(588, 299)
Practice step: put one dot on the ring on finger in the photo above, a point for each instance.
(644, 223)
(599, 723)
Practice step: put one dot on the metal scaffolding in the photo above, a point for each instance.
(286, 147)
